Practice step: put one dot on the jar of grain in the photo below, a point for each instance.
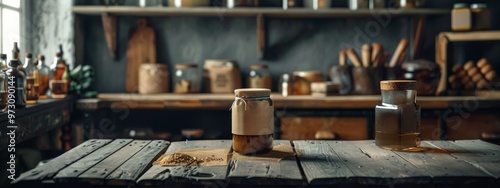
(252, 121)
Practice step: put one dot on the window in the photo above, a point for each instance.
(10, 26)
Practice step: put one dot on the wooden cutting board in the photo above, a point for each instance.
(141, 49)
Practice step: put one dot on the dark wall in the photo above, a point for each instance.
(292, 43)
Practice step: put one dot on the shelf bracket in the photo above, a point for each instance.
(261, 36)
(109, 25)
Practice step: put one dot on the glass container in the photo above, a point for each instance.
(3, 91)
(397, 118)
(187, 78)
(358, 4)
(3, 62)
(252, 121)
(461, 17)
(16, 83)
(32, 81)
(481, 19)
(43, 76)
(259, 77)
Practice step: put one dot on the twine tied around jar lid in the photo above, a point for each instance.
(251, 94)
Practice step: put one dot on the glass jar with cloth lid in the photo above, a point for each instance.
(252, 121)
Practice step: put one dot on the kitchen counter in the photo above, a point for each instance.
(484, 100)
(126, 162)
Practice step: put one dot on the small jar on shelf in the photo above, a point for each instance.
(187, 78)
(32, 81)
(259, 77)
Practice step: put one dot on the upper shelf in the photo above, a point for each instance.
(266, 11)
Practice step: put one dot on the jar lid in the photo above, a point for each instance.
(252, 92)
(478, 6)
(185, 66)
(258, 66)
(307, 73)
(398, 85)
(152, 65)
(460, 5)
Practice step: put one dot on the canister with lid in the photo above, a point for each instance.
(252, 121)
(480, 16)
(187, 78)
(153, 78)
(397, 118)
(461, 17)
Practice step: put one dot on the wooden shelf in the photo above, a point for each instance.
(442, 41)
(266, 11)
(36, 119)
(224, 101)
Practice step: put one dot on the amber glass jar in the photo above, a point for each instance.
(397, 118)
(461, 17)
(252, 121)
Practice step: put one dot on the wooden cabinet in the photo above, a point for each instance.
(474, 126)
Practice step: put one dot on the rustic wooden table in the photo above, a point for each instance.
(126, 162)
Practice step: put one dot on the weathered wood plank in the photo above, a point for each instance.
(48, 170)
(71, 172)
(445, 168)
(321, 164)
(97, 174)
(285, 172)
(130, 171)
(482, 155)
(208, 176)
(375, 166)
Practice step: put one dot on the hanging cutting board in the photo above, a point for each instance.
(141, 49)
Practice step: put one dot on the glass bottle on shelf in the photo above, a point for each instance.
(32, 85)
(16, 81)
(16, 55)
(3, 91)
(3, 62)
(60, 77)
(43, 76)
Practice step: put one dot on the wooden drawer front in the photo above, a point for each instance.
(305, 128)
(473, 127)
(429, 128)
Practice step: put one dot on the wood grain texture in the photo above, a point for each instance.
(190, 175)
(283, 173)
(321, 164)
(224, 101)
(141, 49)
(372, 165)
(48, 170)
(98, 173)
(482, 155)
(130, 171)
(242, 11)
(70, 173)
(443, 167)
